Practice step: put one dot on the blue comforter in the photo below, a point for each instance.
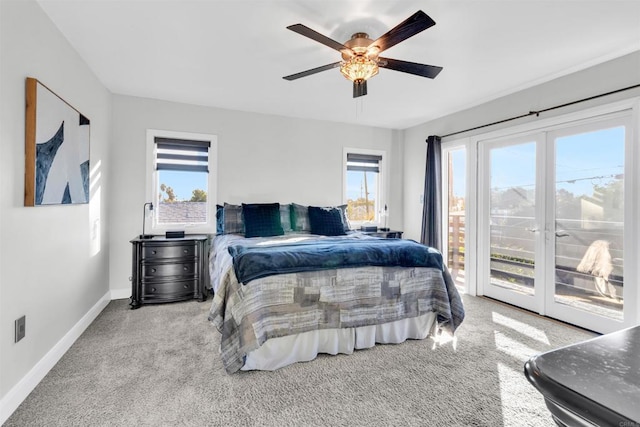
(252, 262)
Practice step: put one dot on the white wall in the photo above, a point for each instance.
(606, 77)
(261, 158)
(53, 259)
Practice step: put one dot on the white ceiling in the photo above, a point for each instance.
(233, 54)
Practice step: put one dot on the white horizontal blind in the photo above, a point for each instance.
(363, 162)
(182, 155)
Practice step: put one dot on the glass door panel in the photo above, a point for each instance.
(456, 205)
(511, 222)
(589, 224)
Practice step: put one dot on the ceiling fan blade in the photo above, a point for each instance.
(418, 22)
(430, 71)
(314, 35)
(359, 88)
(312, 71)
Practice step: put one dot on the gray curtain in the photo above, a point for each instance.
(432, 202)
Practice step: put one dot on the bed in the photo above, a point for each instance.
(284, 298)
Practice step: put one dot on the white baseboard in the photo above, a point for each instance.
(10, 402)
(121, 293)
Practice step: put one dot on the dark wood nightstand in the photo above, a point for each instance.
(168, 270)
(388, 234)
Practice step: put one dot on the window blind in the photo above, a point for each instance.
(182, 155)
(363, 162)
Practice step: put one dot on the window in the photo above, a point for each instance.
(363, 186)
(181, 180)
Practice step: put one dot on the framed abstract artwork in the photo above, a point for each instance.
(56, 149)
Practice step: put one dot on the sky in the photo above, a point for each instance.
(355, 184)
(183, 183)
(582, 160)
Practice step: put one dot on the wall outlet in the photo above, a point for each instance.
(21, 328)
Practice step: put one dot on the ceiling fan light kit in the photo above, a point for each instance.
(362, 65)
(359, 68)
(360, 60)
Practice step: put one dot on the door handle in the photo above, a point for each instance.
(532, 229)
(562, 233)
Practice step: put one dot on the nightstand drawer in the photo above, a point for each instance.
(159, 270)
(168, 289)
(165, 251)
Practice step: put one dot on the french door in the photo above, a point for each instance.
(552, 222)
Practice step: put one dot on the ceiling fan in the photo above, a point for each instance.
(360, 60)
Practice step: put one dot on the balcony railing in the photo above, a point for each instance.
(513, 247)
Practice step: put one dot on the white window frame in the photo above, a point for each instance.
(382, 184)
(152, 185)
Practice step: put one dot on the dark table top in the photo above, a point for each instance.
(598, 379)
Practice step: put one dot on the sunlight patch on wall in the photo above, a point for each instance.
(94, 208)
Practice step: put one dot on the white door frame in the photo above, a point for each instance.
(474, 270)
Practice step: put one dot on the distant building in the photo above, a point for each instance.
(182, 212)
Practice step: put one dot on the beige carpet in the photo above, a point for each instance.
(159, 366)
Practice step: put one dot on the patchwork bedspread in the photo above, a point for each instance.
(286, 304)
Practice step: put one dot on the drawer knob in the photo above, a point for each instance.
(154, 252)
(153, 270)
(153, 289)
(185, 251)
(185, 268)
(186, 286)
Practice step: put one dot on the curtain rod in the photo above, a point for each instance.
(537, 113)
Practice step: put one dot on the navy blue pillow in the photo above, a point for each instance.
(326, 221)
(262, 220)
